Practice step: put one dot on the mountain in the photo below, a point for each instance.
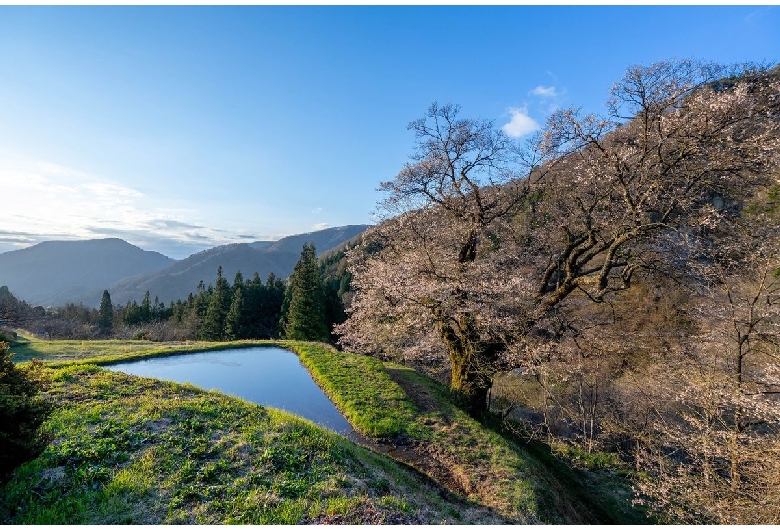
(324, 240)
(56, 272)
(181, 278)
(53, 273)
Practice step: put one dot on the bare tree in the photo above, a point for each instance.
(716, 452)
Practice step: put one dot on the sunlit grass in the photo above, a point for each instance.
(489, 469)
(130, 450)
(133, 450)
(58, 353)
(361, 388)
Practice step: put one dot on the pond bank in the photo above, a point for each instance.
(475, 475)
(267, 375)
(132, 450)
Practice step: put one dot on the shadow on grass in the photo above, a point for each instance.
(564, 494)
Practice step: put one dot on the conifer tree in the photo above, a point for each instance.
(271, 310)
(146, 308)
(106, 312)
(303, 312)
(238, 280)
(132, 313)
(234, 328)
(219, 305)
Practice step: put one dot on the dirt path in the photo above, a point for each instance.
(420, 455)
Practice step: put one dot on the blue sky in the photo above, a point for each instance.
(181, 128)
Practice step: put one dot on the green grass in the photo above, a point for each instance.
(58, 353)
(507, 475)
(581, 458)
(487, 467)
(482, 465)
(129, 449)
(133, 450)
(361, 388)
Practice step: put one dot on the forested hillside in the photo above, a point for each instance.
(247, 308)
(609, 287)
(262, 257)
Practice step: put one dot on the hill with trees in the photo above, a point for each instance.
(56, 273)
(611, 286)
(305, 307)
(263, 257)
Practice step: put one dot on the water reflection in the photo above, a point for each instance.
(270, 376)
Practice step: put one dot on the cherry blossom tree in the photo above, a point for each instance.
(486, 249)
(436, 285)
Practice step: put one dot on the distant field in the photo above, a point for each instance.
(56, 352)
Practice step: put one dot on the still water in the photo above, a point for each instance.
(270, 376)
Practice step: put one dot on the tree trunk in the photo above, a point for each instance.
(469, 385)
(472, 363)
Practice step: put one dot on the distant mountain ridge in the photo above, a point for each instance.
(324, 240)
(181, 278)
(57, 272)
(54, 272)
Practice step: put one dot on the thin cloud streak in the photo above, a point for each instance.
(545, 91)
(53, 202)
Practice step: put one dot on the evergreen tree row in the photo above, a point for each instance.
(306, 307)
(248, 309)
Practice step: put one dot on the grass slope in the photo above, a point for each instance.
(128, 449)
(57, 353)
(522, 481)
(134, 450)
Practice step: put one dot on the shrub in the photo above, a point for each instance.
(142, 334)
(22, 411)
(8, 335)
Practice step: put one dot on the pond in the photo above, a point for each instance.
(270, 376)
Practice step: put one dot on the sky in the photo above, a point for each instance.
(180, 128)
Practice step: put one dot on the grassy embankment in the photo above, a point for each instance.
(57, 353)
(128, 449)
(519, 479)
(134, 450)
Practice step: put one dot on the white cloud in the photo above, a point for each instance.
(107, 189)
(47, 201)
(545, 91)
(520, 124)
